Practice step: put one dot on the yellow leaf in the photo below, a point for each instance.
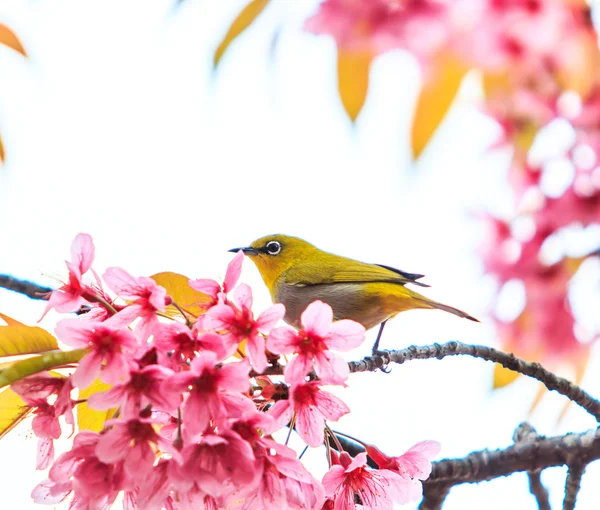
(92, 419)
(241, 23)
(2, 154)
(13, 410)
(503, 376)
(494, 83)
(10, 321)
(8, 38)
(178, 288)
(20, 339)
(353, 80)
(438, 93)
(35, 364)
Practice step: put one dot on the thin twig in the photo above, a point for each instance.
(29, 289)
(526, 433)
(510, 361)
(572, 486)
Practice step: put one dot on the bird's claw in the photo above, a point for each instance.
(385, 369)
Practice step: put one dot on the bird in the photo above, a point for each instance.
(298, 273)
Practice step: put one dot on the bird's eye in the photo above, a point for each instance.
(273, 247)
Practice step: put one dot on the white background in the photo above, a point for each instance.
(118, 127)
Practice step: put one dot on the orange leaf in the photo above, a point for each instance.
(183, 295)
(10, 321)
(438, 93)
(353, 80)
(503, 376)
(8, 38)
(2, 154)
(580, 71)
(241, 23)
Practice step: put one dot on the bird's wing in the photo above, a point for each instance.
(328, 270)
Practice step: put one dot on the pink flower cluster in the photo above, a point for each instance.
(196, 414)
(540, 62)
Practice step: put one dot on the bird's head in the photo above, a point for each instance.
(274, 254)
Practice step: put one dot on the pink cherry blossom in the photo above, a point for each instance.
(219, 464)
(413, 466)
(144, 387)
(148, 298)
(70, 296)
(93, 483)
(110, 349)
(236, 322)
(45, 453)
(352, 480)
(285, 482)
(498, 34)
(377, 26)
(215, 391)
(177, 344)
(217, 292)
(130, 441)
(312, 343)
(313, 407)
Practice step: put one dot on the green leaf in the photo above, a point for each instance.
(19, 369)
(13, 411)
(18, 339)
(241, 23)
(92, 419)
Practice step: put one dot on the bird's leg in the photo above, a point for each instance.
(376, 344)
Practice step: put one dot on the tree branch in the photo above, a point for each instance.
(572, 486)
(536, 455)
(31, 290)
(524, 433)
(510, 361)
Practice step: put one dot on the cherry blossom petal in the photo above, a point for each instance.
(310, 425)
(331, 368)
(333, 479)
(281, 412)
(234, 269)
(282, 340)
(297, 369)
(242, 297)
(87, 370)
(45, 452)
(219, 317)
(205, 286)
(256, 351)
(235, 376)
(119, 280)
(317, 318)
(74, 332)
(271, 316)
(82, 252)
(345, 335)
(332, 407)
(417, 459)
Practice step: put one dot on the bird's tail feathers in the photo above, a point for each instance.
(449, 309)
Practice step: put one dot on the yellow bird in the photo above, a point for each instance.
(298, 273)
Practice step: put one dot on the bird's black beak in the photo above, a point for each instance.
(247, 250)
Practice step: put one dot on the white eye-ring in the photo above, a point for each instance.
(273, 247)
